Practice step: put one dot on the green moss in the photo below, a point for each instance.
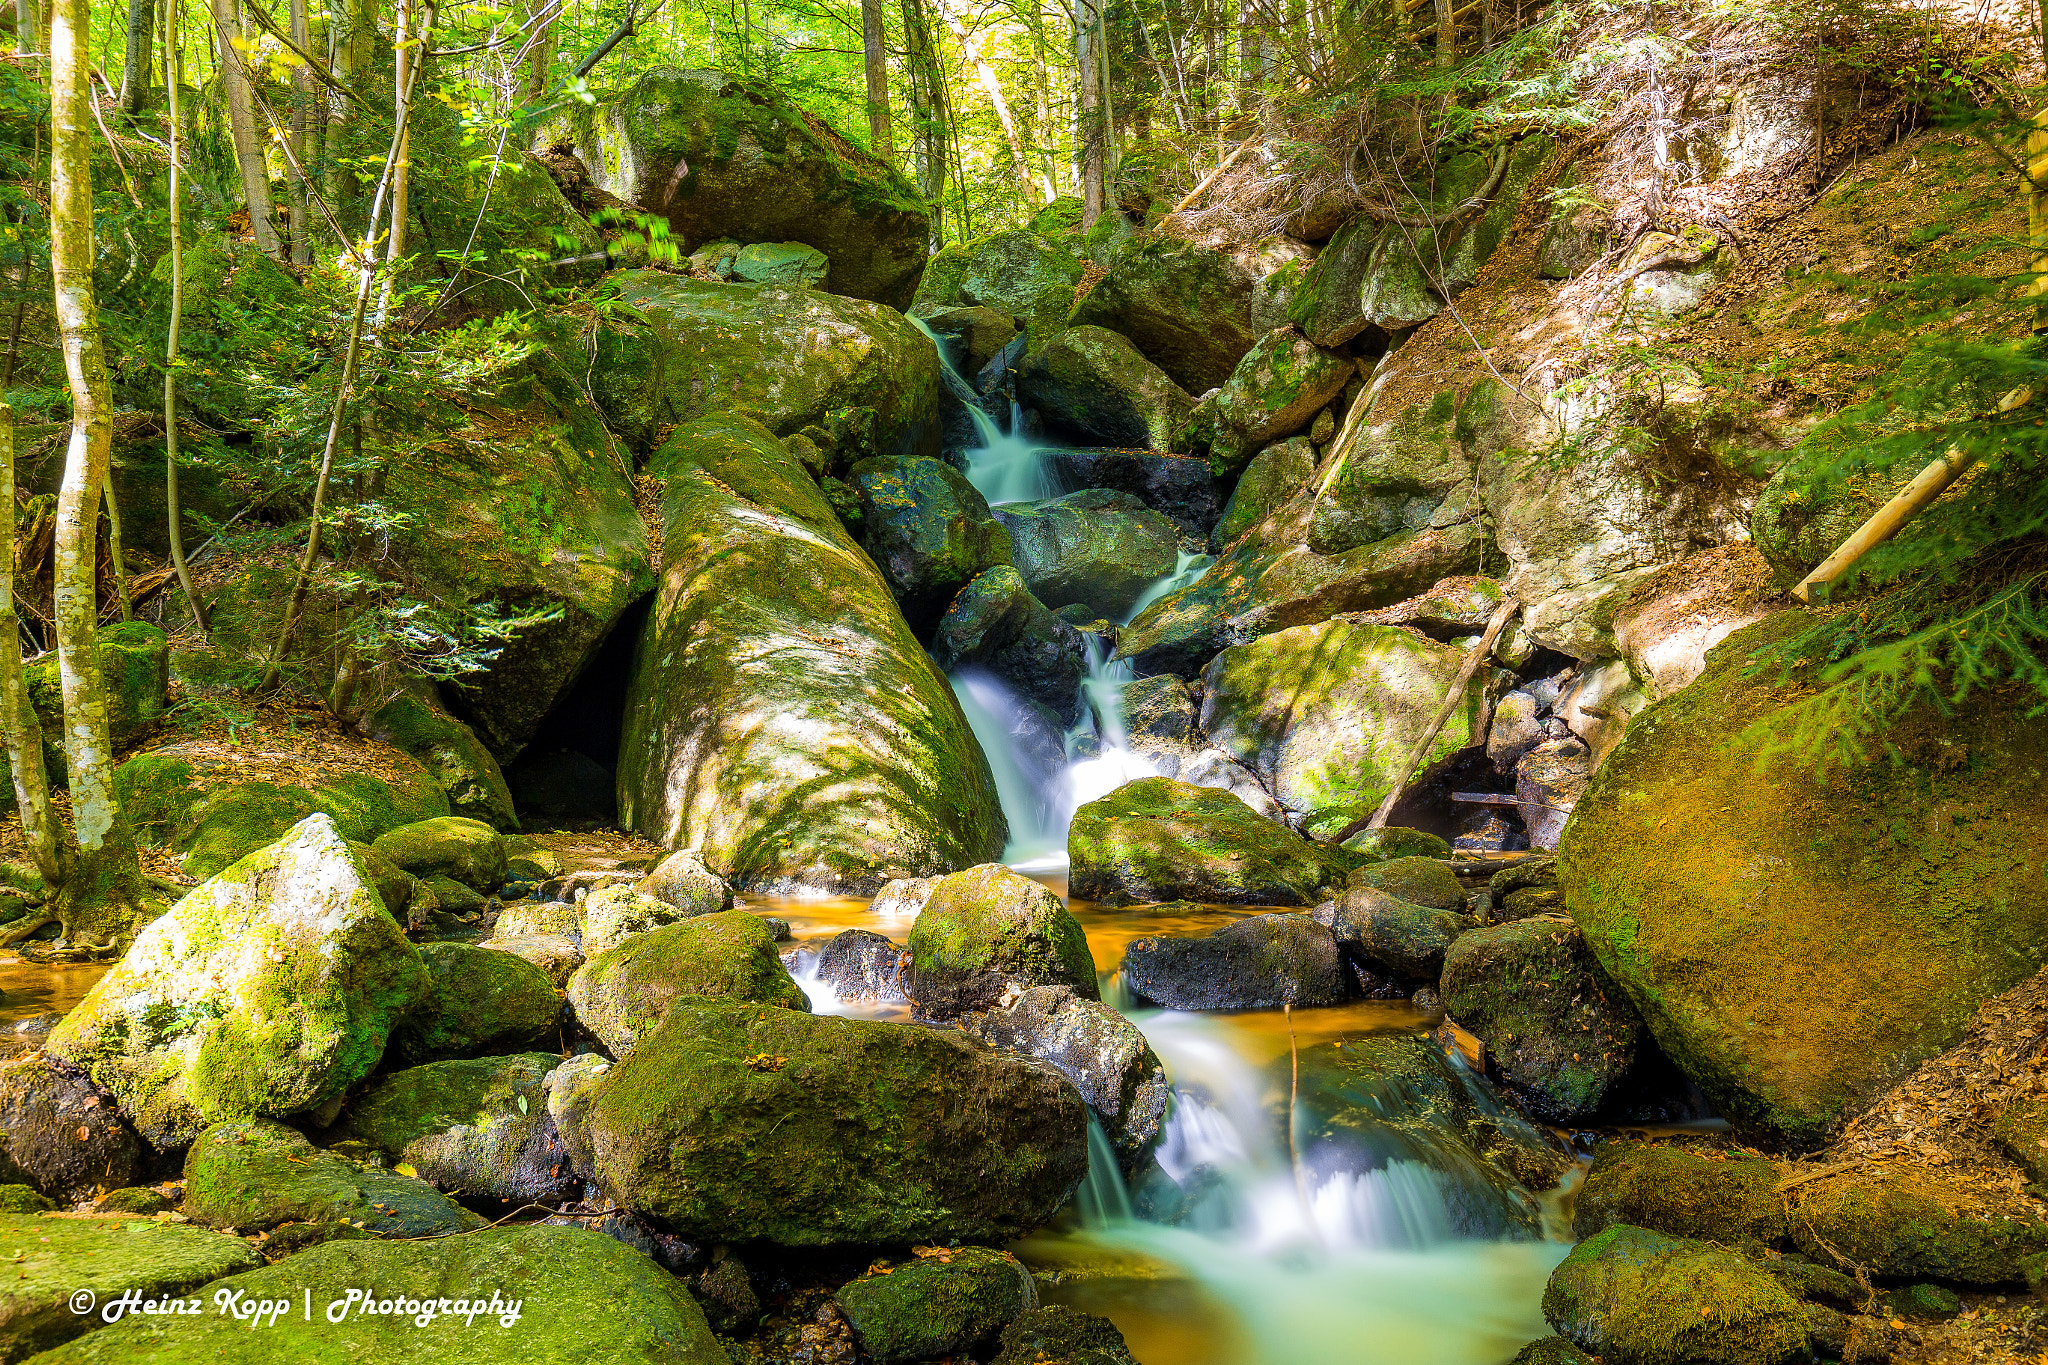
(1417, 880)
(1652, 1300)
(624, 993)
(54, 1258)
(480, 1001)
(1908, 1225)
(1161, 840)
(2021, 1129)
(988, 930)
(936, 1306)
(1551, 1351)
(452, 754)
(1680, 1194)
(469, 851)
(254, 1174)
(22, 1199)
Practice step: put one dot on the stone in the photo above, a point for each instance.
(978, 332)
(1067, 1336)
(1392, 843)
(675, 350)
(1381, 931)
(269, 990)
(1215, 768)
(1795, 525)
(1516, 729)
(903, 898)
(1259, 963)
(928, 530)
(1551, 1351)
(1096, 1048)
(1158, 839)
(1098, 548)
(1270, 478)
(1325, 714)
(1631, 1295)
(1796, 961)
(1092, 387)
(1560, 1045)
(59, 1134)
(1907, 1223)
(135, 662)
(562, 1288)
(1178, 486)
(1275, 392)
(477, 1128)
(1369, 276)
(1186, 306)
(1549, 780)
(748, 1123)
(452, 755)
(997, 623)
(759, 169)
(936, 1305)
(23, 1199)
(610, 915)
(2021, 1131)
(785, 263)
(104, 1259)
(858, 964)
(478, 1003)
(782, 719)
(253, 1174)
(1724, 1199)
(1665, 634)
(622, 994)
(1417, 880)
(989, 934)
(1019, 272)
(682, 879)
(467, 851)
(449, 896)
(1158, 707)
(555, 954)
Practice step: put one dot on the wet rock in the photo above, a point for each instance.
(1274, 475)
(997, 623)
(269, 990)
(1096, 1048)
(988, 934)
(904, 897)
(1186, 306)
(253, 1174)
(782, 718)
(479, 1002)
(937, 1305)
(1911, 1224)
(1559, 1044)
(1417, 880)
(1158, 707)
(1158, 839)
(1275, 392)
(1551, 1351)
(786, 263)
(555, 954)
(1325, 714)
(928, 531)
(1096, 547)
(1018, 271)
(861, 965)
(623, 994)
(473, 1128)
(1382, 931)
(752, 1123)
(453, 846)
(1178, 486)
(685, 882)
(571, 1288)
(1516, 729)
(1092, 387)
(1526, 889)
(1630, 1295)
(1260, 962)
(60, 1133)
(978, 333)
(55, 1259)
(1058, 1335)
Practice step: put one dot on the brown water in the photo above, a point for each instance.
(31, 988)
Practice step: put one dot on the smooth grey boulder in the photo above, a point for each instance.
(928, 530)
(1261, 962)
(1097, 547)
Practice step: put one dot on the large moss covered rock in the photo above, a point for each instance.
(754, 1123)
(217, 806)
(936, 1305)
(104, 1259)
(1056, 1333)
(1098, 548)
(476, 1128)
(1720, 1198)
(480, 1002)
(989, 933)
(451, 753)
(1642, 1298)
(135, 662)
(1906, 1223)
(782, 719)
(1370, 276)
(253, 1174)
(1160, 840)
(1021, 273)
(624, 993)
(1262, 962)
(1795, 944)
(1093, 388)
(452, 846)
(1275, 392)
(537, 1295)
(928, 530)
(1390, 936)
(1186, 306)
(1528, 989)
(1270, 477)
(1326, 714)
(676, 349)
(267, 991)
(759, 169)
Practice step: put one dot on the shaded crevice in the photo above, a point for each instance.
(568, 772)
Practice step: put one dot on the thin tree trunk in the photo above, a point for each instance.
(302, 118)
(172, 512)
(242, 129)
(875, 63)
(406, 62)
(995, 97)
(24, 733)
(118, 555)
(540, 48)
(927, 110)
(35, 158)
(1446, 34)
(135, 68)
(1090, 126)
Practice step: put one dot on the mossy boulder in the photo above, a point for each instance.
(1720, 1198)
(105, 1258)
(1372, 275)
(452, 755)
(1557, 1041)
(611, 915)
(1796, 525)
(564, 1296)
(1270, 477)
(2021, 1130)
(1388, 936)
(747, 1123)
(1262, 962)
(928, 530)
(1157, 839)
(990, 933)
(59, 1134)
(1020, 272)
(624, 993)
(1326, 714)
(1642, 1298)
(936, 1305)
(677, 349)
(1185, 305)
(1796, 957)
(1905, 1223)
(998, 624)
(782, 719)
(1094, 388)
(477, 1128)
(1058, 1335)
(1275, 392)
(1098, 548)
(253, 1174)
(269, 990)
(1551, 1351)
(135, 662)
(23, 1199)
(479, 1003)
(1416, 878)
(685, 882)
(759, 169)
(209, 801)
(452, 846)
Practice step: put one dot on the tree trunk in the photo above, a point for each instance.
(302, 120)
(24, 733)
(927, 110)
(135, 66)
(241, 101)
(103, 885)
(406, 62)
(987, 77)
(540, 49)
(1091, 126)
(172, 518)
(875, 61)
